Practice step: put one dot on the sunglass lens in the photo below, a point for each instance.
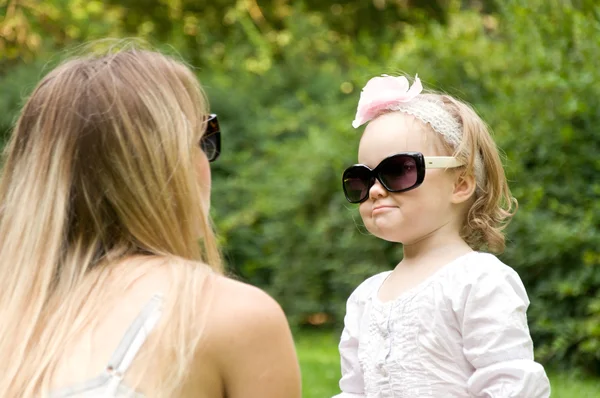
(211, 145)
(212, 124)
(356, 183)
(399, 173)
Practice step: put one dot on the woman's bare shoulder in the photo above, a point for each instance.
(251, 342)
(238, 304)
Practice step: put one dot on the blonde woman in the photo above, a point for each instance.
(110, 279)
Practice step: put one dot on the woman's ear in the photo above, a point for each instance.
(464, 188)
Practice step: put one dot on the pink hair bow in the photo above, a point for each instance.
(383, 92)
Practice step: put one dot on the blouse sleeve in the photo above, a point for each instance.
(496, 339)
(351, 383)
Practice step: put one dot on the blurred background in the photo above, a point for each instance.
(285, 77)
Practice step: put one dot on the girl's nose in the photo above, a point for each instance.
(377, 190)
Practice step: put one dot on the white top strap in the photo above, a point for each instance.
(131, 343)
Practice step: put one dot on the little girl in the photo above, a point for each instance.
(449, 320)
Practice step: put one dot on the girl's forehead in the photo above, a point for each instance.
(392, 133)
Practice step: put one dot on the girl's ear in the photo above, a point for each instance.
(464, 188)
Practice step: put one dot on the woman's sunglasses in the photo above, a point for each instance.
(211, 140)
(397, 173)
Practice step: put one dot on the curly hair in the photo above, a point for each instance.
(493, 205)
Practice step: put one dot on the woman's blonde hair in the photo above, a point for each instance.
(493, 205)
(99, 167)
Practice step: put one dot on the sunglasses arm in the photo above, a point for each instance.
(441, 162)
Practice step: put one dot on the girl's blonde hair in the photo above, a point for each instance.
(493, 205)
(99, 167)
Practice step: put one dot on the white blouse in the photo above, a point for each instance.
(460, 333)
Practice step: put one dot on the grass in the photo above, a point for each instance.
(320, 365)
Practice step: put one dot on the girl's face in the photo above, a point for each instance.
(405, 217)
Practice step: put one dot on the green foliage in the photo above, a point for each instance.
(553, 146)
(285, 77)
(16, 84)
(290, 141)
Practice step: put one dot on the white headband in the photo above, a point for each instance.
(388, 93)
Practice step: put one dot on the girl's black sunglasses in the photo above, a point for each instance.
(211, 140)
(397, 173)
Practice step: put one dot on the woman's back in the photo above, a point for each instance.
(238, 324)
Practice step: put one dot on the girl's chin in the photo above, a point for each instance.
(388, 234)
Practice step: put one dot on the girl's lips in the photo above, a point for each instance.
(381, 209)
